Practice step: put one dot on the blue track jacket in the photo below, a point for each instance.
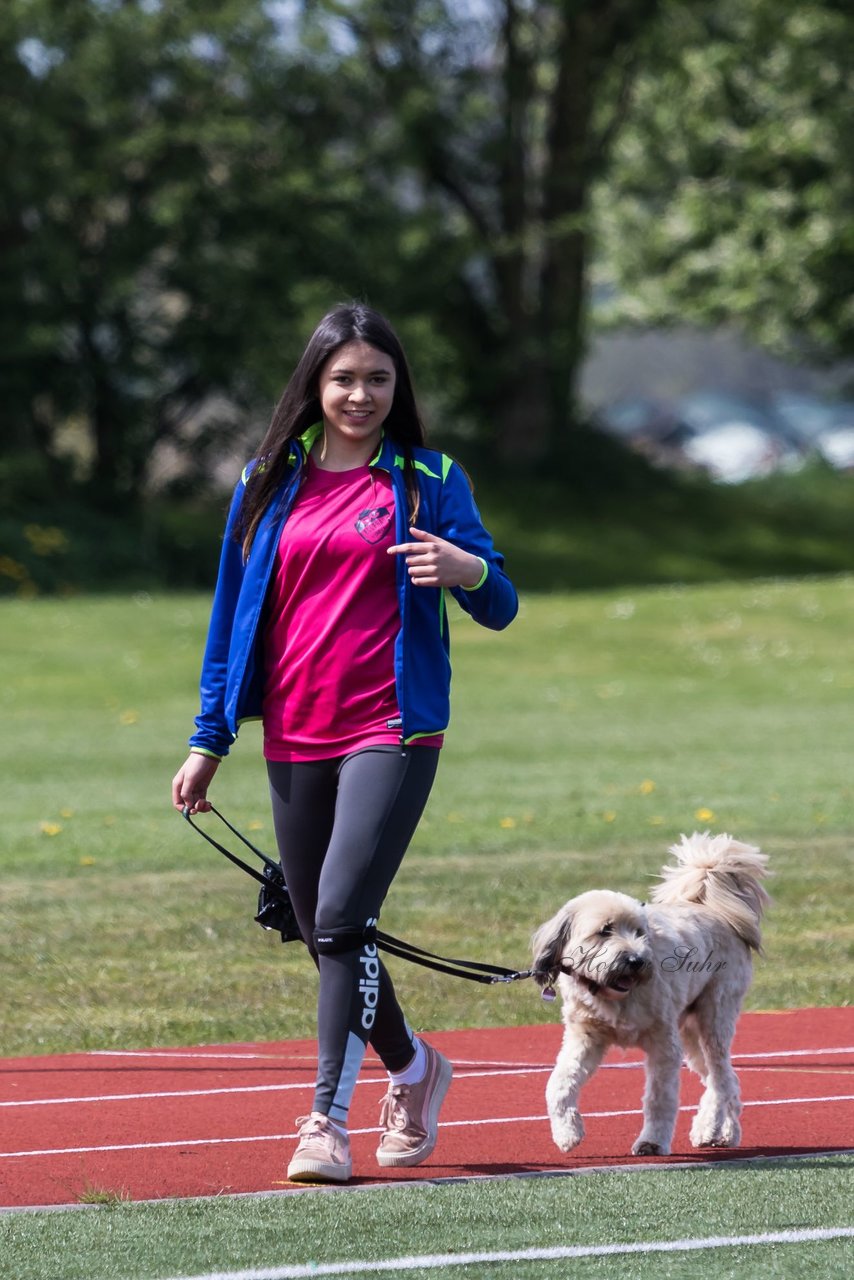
(233, 669)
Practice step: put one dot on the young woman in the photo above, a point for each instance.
(329, 624)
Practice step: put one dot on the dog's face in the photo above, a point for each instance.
(599, 939)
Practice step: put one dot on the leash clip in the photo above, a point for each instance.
(513, 977)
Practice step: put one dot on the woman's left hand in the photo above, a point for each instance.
(433, 562)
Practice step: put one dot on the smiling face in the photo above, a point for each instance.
(356, 392)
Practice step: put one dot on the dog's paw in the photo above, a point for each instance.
(643, 1147)
(703, 1136)
(567, 1129)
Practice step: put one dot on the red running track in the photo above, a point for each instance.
(219, 1119)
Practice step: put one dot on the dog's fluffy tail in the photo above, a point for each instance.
(721, 874)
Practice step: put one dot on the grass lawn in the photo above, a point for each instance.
(584, 740)
(256, 1237)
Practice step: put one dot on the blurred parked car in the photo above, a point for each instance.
(647, 425)
(805, 416)
(836, 447)
(736, 451)
(732, 437)
(736, 439)
(825, 426)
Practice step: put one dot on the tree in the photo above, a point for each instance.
(172, 211)
(732, 189)
(503, 115)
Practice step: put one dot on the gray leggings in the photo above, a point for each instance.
(342, 827)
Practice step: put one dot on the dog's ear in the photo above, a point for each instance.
(549, 944)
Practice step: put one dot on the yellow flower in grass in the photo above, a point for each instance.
(609, 816)
(656, 822)
(647, 787)
(129, 717)
(50, 828)
(704, 815)
(507, 823)
(256, 825)
(66, 813)
(87, 862)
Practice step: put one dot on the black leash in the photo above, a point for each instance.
(275, 911)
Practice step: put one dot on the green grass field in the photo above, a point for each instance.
(584, 740)
(315, 1229)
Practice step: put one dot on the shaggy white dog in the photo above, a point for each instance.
(669, 977)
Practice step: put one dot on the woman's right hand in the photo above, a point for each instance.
(191, 782)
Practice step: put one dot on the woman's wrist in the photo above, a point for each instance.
(484, 570)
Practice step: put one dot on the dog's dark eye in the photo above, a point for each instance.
(606, 931)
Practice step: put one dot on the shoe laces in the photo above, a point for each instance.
(310, 1126)
(393, 1113)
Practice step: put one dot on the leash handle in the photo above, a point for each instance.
(472, 970)
(249, 845)
(232, 857)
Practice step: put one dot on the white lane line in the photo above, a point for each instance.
(447, 1124)
(511, 1070)
(791, 1053)
(228, 1089)
(207, 1055)
(435, 1261)
(210, 1056)
(170, 1093)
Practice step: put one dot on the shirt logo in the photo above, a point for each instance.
(373, 523)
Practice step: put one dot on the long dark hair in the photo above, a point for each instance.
(299, 408)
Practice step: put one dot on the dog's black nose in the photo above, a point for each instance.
(635, 962)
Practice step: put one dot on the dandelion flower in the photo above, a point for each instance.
(647, 787)
(704, 815)
(129, 717)
(609, 815)
(50, 828)
(507, 823)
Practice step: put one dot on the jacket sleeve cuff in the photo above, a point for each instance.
(201, 751)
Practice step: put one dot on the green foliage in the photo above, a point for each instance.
(190, 186)
(501, 116)
(610, 521)
(638, 529)
(729, 199)
(185, 194)
(54, 542)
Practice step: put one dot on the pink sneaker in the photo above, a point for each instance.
(409, 1115)
(323, 1153)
